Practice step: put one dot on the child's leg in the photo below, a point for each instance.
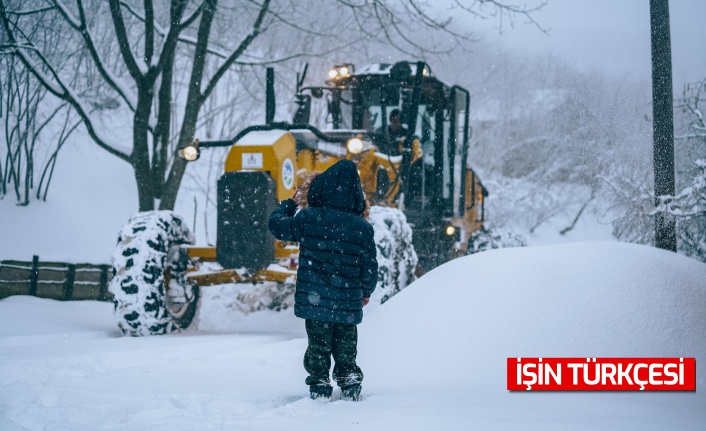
(317, 359)
(345, 349)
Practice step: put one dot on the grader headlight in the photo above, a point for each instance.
(453, 233)
(341, 71)
(355, 145)
(190, 152)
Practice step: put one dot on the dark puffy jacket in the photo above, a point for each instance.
(337, 254)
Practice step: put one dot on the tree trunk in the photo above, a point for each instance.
(171, 186)
(140, 158)
(194, 101)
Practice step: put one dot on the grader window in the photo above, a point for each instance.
(422, 181)
(367, 99)
(346, 106)
(374, 99)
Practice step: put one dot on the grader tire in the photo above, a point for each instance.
(396, 256)
(144, 258)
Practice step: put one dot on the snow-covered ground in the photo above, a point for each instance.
(433, 356)
(91, 196)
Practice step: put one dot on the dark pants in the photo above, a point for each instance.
(326, 339)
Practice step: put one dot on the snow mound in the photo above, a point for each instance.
(460, 322)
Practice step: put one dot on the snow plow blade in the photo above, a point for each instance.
(233, 276)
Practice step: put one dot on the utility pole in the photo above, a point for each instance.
(663, 120)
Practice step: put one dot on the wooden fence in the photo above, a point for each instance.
(55, 280)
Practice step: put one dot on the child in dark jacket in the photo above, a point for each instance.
(337, 272)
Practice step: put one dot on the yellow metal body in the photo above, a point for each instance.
(206, 254)
(227, 276)
(275, 152)
(473, 218)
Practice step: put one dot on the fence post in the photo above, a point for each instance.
(69, 282)
(103, 293)
(34, 276)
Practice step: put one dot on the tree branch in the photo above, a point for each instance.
(244, 44)
(31, 11)
(167, 54)
(432, 23)
(191, 18)
(124, 43)
(68, 16)
(387, 33)
(160, 141)
(204, 31)
(57, 88)
(149, 31)
(511, 10)
(188, 40)
(81, 26)
(293, 25)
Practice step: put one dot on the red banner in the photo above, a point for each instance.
(601, 374)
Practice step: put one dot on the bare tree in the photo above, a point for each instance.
(691, 140)
(688, 207)
(133, 52)
(631, 194)
(28, 113)
(554, 144)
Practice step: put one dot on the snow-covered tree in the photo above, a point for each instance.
(688, 209)
(490, 239)
(35, 127)
(553, 143)
(632, 195)
(690, 139)
(161, 62)
(629, 203)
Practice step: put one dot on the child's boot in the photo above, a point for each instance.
(320, 391)
(351, 393)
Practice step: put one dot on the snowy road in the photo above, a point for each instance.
(433, 356)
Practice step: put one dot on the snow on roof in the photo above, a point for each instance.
(265, 137)
(384, 69)
(391, 159)
(374, 69)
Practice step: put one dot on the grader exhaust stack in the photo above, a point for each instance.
(270, 96)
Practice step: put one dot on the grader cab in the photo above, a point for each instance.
(422, 173)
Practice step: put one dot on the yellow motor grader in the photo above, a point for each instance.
(423, 173)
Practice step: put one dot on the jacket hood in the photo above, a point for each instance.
(338, 187)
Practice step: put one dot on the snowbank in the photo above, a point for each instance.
(453, 329)
(582, 299)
